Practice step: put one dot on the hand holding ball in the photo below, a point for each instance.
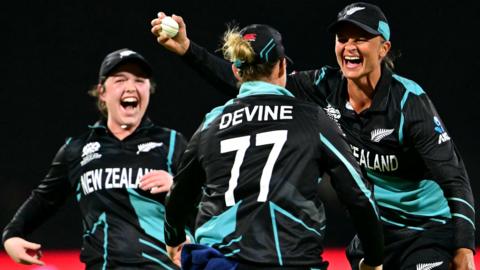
(169, 27)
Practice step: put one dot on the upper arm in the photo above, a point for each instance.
(177, 146)
(217, 71)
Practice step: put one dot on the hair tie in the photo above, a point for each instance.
(238, 63)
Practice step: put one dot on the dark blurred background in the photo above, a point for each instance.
(52, 51)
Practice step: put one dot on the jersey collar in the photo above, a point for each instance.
(382, 91)
(101, 125)
(380, 98)
(252, 88)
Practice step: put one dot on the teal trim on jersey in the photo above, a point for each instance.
(145, 255)
(218, 227)
(79, 193)
(420, 198)
(275, 208)
(150, 214)
(384, 29)
(102, 219)
(439, 220)
(105, 242)
(465, 218)
(238, 239)
(171, 150)
(462, 201)
(410, 87)
(400, 129)
(68, 140)
(97, 126)
(189, 234)
(252, 88)
(152, 245)
(402, 225)
(214, 113)
(270, 45)
(232, 253)
(353, 172)
(321, 75)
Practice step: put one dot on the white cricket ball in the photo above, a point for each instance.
(169, 27)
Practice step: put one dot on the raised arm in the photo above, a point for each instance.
(214, 69)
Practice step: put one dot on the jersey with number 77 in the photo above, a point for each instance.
(256, 163)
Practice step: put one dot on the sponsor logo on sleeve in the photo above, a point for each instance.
(443, 137)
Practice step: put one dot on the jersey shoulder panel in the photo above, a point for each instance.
(405, 90)
(73, 145)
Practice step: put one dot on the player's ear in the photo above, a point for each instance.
(101, 91)
(385, 48)
(235, 73)
(282, 67)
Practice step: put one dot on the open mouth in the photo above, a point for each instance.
(352, 61)
(129, 103)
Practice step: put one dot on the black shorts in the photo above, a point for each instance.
(411, 250)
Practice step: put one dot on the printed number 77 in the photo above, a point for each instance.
(240, 145)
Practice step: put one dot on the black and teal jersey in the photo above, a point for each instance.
(123, 224)
(400, 141)
(256, 161)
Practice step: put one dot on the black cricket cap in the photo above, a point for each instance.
(266, 42)
(368, 17)
(122, 56)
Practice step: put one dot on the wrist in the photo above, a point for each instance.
(186, 47)
(463, 251)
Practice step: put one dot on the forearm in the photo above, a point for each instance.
(214, 69)
(50, 194)
(455, 184)
(183, 195)
(28, 217)
(355, 193)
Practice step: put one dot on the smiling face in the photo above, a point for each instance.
(359, 53)
(126, 93)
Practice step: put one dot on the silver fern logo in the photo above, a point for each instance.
(353, 10)
(428, 266)
(126, 53)
(378, 134)
(146, 147)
